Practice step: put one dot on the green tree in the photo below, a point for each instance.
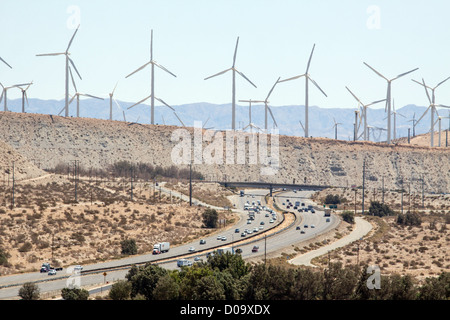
(210, 218)
(208, 288)
(29, 291)
(4, 257)
(74, 294)
(129, 246)
(435, 288)
(166, 288)
(409, 219)
(332, 199)
(380, 209)
(348, 216)
(231, 262)
(121, 290)
(144, 279)
(190, 276)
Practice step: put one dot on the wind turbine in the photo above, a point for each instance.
(24, 95)
(153, 64)
(388, 98)
(233, 91)
(413, 120)
(395, 118)
(432, 105)
(68, 60)
(364, 111)
(267, 108)
(439, 119)
(4, 94)
(111, 98)
(5, 62)
(164, 103)
(77, 95)
(250, 123)
(335, 128)
(307, 79)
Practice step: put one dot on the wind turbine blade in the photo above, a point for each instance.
(91, 96)
(270, 92)
(124, 119)
(293, 78)
(50, 54)
(20, 85)
(376, 72)
(138, 69)
(139, 102)
(404, 74)
(315, 83)
(359, 101)
(163, 68)
(164, 103)
(26, 98)
(441, 82)
(245, 77)
(76, 70)
(5, 62)
(422, 116)
(176, 115)
(72, 99)
(375, 102)
(61, 111)
(151, 45)
(443, 106)
(117, 104)
(29, 85)
(302, 125)
(271, 114)
(205, 123)
(218, 74)
(73, 81)
(112, 93)
(235, 51)
(70, 42)
(426, 90)
(1, 96)
(310, 57)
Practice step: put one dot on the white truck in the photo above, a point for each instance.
(184, 263)
(225, 250)
(161, 247)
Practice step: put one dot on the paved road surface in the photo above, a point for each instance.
(362, 228)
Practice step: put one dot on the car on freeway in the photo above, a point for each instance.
(78, 268)
(198, 259)
(236, 230)
(262, 223)
(224, 238)
(243, 234)
(313, 211)
(266, 215)
(191, 249)
(271, 221)
(302, 231)
(261, 227)
(305, 226)
(298, 228)
(52, 272)
(255, 249)
(239, 250)
(202, 241)
(313, 226)
(327, 220)
(255, 229)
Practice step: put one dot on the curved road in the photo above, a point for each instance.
(273, 243)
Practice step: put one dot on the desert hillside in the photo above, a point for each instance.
(49, 140)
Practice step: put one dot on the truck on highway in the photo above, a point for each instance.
(46, 267)
(184, 263)
(225, 250)
(161, 247)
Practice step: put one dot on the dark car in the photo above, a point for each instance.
(255, 249)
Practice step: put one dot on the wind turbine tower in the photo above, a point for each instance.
(233, 89)
(153, 63)
(307, 79)
(388, 98)
(24, 95)
(432, 105)
(68, 60)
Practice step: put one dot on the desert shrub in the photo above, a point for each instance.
(348, 216)
(129, 246)
(332, 199)
(409, 219)
(26, 247)
(380, 209)
(210, 218)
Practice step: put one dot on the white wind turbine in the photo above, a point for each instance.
(251, 125)
(432, 106)
(388, 98)
(307, 79)
(395, 118)
(440, 128)
(77, 95)
(5, 62)
(233, 91)
(111, 98)
(335, 126)
(267, 108)
(153, 64)
(162, 101)
(68, 60)
(24, 95)
(364, 112)
(4, 94)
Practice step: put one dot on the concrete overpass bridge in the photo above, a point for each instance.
(271, 186)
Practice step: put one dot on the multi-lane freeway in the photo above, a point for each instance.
(274, 232)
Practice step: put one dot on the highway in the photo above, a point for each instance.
(9, 285)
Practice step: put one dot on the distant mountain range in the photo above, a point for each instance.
(321, 123)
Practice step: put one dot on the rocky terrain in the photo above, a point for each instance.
(49, 140)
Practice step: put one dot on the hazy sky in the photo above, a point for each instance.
(195, 39)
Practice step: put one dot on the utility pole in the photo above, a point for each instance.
(383, 189)
(13, 186)
(265, 249)
(423, 198)
(75, 176)
(190, 184)
(363, 186)
(131, 182)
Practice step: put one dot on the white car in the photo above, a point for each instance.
(191, 249)
(78, 267)
(271, 221)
